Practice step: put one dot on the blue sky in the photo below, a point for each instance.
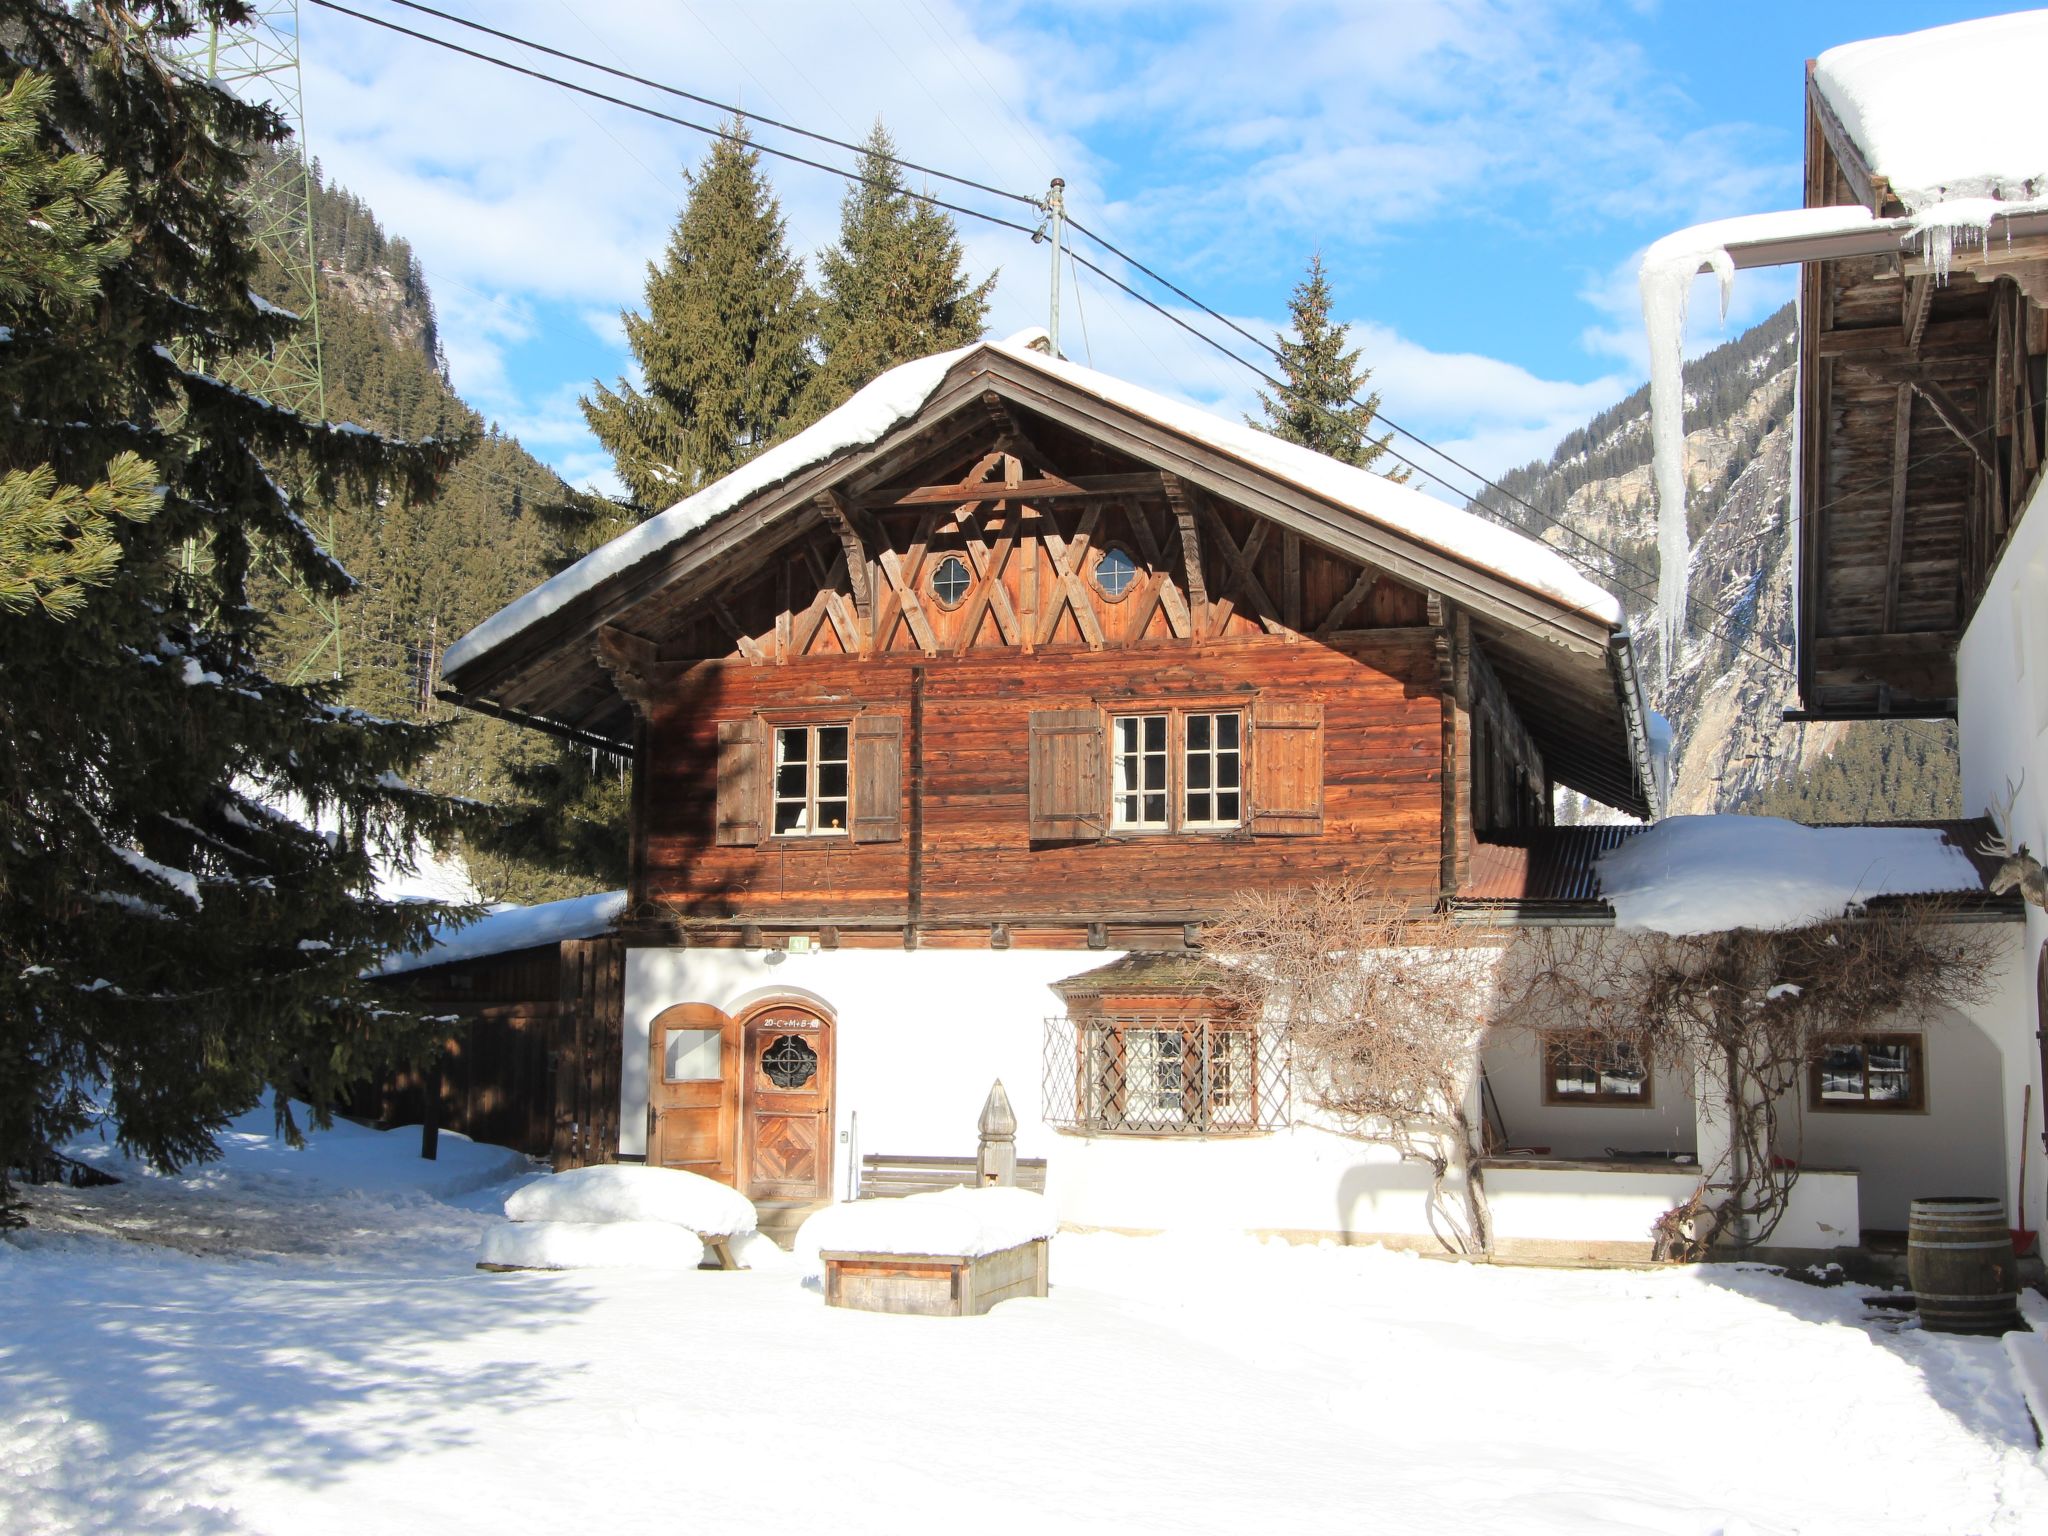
(1479, 175)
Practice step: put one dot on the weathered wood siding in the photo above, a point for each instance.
(967, 856)
(534, 1064)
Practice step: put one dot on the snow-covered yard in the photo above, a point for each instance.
(300, 1343)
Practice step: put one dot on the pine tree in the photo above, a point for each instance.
(1316, 405)
(893, 288)
(173, 936)
(724, 345)
(58, 236)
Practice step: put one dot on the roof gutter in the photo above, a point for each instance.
(1621, 657)
(1880, 237)
(566, 732)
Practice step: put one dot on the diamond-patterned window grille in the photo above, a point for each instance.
(1165, 1075)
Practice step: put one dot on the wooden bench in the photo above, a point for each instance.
(883, 1177)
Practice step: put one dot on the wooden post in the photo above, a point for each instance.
(995, 1160)
(430, 1112)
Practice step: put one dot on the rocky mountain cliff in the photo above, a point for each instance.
(1725, 695)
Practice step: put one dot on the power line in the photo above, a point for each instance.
(657, 85)
(1620, 561)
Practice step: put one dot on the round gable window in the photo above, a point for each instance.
(1114, 573)
(951, 581)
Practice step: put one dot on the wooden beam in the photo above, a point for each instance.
(1240, 561)
(905, 588)
(1902, 442)
(1963, 336)
(1164, 591)
(1947, 410)
(1368, 578)
(741, 638)
(1186, 500)
(1039, 488)
(1073, 592)
(1290, 583)
(989, 591)
(1919, 301)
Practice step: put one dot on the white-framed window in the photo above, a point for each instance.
(1177, 770)
(813, 786)
(1212, 790)
(1138, 762)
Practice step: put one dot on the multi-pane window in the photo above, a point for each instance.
(1186, 1077)
(1174, 771)
(1138, 770)
(811, 780)
(1874, 1072)
(1212, 791)
(950, 581)
(1580, 1067)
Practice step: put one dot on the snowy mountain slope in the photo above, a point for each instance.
(1727, 692)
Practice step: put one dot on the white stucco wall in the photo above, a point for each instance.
(1514, 1071)
(2002, 691)
(1949, 1148)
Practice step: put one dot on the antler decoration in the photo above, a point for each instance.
(2019, 868)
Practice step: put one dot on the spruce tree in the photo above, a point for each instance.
(724, 344)
(893, 288)
(1316, 404)
(187, 844)
(59, 233)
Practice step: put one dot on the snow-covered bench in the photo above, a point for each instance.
(885, 1177)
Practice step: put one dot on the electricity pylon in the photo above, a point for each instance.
(260, 61)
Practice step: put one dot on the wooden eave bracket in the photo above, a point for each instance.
(845, 520)
(1871, 190)
(632, 662)
(1185, 500)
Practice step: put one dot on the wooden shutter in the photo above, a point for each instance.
(1069, 775)
(877, 778)
(1287, 767)
(740, 783)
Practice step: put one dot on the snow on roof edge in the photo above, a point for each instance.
(903, 391)
(1712, 874)
(501, 932)
(1930, 118)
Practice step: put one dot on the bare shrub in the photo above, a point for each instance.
(1385, 1010)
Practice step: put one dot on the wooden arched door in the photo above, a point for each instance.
(693, 1083)
(786, 1106)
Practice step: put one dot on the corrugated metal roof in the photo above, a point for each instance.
(1559, 865)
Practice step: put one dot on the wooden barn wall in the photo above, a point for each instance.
(534, 1063)
(966, 856)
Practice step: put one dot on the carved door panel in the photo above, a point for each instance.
(693, 1081)
(786, 1135)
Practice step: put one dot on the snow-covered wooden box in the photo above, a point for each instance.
(933, 1284)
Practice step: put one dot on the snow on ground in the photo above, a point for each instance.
(327, 1359)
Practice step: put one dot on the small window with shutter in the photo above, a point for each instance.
(789, 779)
(739, 783)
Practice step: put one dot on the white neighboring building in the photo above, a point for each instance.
(1923, 414)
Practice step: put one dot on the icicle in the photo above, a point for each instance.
(1666, 282)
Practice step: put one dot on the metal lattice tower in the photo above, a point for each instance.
(260, 61)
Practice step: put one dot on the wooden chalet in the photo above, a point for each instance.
(1045, 659)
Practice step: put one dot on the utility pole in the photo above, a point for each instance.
(1056, 221)
(259, 61)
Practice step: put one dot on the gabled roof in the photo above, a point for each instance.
(1553, 635)
(514, 928)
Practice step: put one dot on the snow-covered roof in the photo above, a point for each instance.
(510, 928)
(1713, 874)
(901, 393)
(1950, 113)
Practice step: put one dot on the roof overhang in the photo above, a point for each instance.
(1571, 672)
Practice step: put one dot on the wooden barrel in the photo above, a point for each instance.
(1959, 1259)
